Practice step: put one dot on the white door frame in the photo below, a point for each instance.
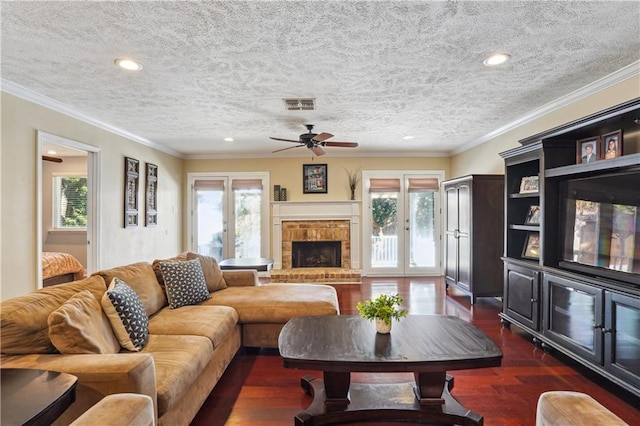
(93, 200)
(367, 269)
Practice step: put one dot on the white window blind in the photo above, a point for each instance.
(69, 199)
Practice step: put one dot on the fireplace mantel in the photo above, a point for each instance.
(316, 210)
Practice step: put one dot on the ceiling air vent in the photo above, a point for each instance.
(306, 104)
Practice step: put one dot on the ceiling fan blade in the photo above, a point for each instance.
(341, 144)
(289, 147)
(284, 140)
(322, 137)
(53, 159)
(317, 151)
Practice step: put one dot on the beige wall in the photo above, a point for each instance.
(485, 158)
(287, 172)
(20, 121)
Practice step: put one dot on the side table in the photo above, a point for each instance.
(35, 397)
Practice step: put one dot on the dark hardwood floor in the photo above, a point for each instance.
(257, 390)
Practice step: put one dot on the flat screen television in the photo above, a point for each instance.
(600, 226)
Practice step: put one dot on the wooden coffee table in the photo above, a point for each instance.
(35, 397)
(427, 345)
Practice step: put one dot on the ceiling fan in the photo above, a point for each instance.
(315, 142)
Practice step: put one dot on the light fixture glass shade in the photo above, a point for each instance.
(497, 59)
(128, 64)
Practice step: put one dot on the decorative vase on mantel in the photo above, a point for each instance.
(353, 194)
(382, 327)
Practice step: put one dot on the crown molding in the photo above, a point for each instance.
(47, 102)
(631, 70)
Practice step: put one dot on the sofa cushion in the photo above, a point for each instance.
(212, 272)
(126, 314)
(178, 360)
(184, 282)
(23, 319)
(212, 322)
(80, 326)
(277, 303)
(141, 278)
(156, 267)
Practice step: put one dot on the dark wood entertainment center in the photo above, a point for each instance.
(563, 282)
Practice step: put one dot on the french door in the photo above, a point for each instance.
(229, 214)
(401, 217)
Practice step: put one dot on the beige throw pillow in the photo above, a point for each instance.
(212, 272)
(141, 278)
(80, 327)
(24, 327)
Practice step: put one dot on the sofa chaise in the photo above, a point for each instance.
(84, 328)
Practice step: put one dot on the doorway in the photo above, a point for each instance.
(63, 163)
(401, 223)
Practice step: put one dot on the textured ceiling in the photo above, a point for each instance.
(378, 70)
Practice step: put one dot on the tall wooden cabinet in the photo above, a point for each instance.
(572, 275)
(474, 208)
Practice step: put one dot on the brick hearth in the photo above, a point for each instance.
(316, 275)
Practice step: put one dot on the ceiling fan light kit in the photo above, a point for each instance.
(314, 142)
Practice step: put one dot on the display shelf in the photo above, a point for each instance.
(588, 244)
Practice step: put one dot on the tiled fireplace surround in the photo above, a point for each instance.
(316, 221)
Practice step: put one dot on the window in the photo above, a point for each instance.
(69, 202)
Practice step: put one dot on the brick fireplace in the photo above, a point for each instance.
(319, 222)
(316, 231)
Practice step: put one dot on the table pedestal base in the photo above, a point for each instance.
(376, 402)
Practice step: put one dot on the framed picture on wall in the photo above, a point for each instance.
(131, 182)
(151, 195)
(314, 178)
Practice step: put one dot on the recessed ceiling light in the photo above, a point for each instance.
(496, 59)
(128, 64)
(51, 152)
(228, 139)
(407, 137)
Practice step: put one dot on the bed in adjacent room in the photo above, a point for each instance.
(58, 268)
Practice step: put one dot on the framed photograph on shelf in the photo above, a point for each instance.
(533, 217)
(531, 248)
(131, 182)
(588, 150)
(611, 144)
(529, 184)
(314, 178)
(151, 195)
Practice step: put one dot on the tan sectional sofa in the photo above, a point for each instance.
(187, 350)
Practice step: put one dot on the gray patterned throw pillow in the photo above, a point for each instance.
(126, 314)
(184, 282)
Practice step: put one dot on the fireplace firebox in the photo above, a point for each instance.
(316, 254)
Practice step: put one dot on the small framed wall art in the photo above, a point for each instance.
(588, 150)
(131, 182)
(314, 178)
(529, 184)
(612, 144)
(531, 248)
(533, 217)
(151, 195)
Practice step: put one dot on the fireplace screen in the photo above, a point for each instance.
(316, 254)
